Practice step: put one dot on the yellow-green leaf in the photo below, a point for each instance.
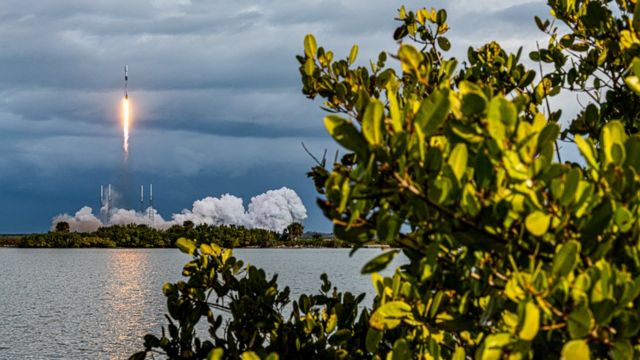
(310, 47)
(331, 323)
(576, 350)
(458, 160)
(353, 54)
(394, 110)
(215, 354)
(372, 122)
(530, 323)
(537, 223)
(410, 58)
(345, 134)
(633, 82)
(587, 151)
(390, 315)
(186, 246)
(309, 67)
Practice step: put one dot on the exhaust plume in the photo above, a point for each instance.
(273, 210)
(125, 126)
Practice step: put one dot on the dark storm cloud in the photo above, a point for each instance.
(215, 92)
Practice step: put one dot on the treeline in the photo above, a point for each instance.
(142, 236)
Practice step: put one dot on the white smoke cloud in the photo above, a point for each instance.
(273, 210)
(276, 209)
(82, 221)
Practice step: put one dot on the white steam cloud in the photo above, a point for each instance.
(273, 210)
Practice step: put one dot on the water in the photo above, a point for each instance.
(98, 303)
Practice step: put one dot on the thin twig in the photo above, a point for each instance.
(310, 154)
(546, 99)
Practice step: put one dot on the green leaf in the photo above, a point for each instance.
(576, 350)
(353, 54)
(346, 134)
(432, 112)
(473, 99)
(444, 43)
(530, 323)
(570, 186)
(390, 315)
(401, 350)
(373, 339)
(622, 350)
(340, 337)
(379, 262)
(458, 160)
(537, 223)
(388, 225)
(215, 354)
(372, 122)
(310, 47)
(579, 322)
(501, 109)
(597, 222)
(548, 135)
(566, 258)
(186, 246)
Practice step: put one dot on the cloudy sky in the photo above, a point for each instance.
(214, 86)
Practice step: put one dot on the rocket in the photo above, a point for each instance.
(126, 79)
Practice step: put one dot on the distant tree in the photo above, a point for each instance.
(62, 226)
(293, 232)
(188, 224)
(316, 237)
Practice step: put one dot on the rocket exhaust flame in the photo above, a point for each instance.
(125, 125)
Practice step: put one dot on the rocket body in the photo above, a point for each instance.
(126, 80)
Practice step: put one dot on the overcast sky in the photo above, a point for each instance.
(215, 92)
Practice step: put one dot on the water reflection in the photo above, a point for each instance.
(98, 303)
(126, 315)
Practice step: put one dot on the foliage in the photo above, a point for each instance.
(142, 236)
(62, 226)
(319, 326)
(512, 254)
(594, 51)
(293, 232)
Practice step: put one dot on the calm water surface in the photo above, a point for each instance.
(98, 303)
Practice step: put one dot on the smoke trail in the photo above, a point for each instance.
(273, 210)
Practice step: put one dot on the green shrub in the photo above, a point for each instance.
(512, 253)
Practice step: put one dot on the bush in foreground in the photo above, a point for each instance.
(512, 253)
